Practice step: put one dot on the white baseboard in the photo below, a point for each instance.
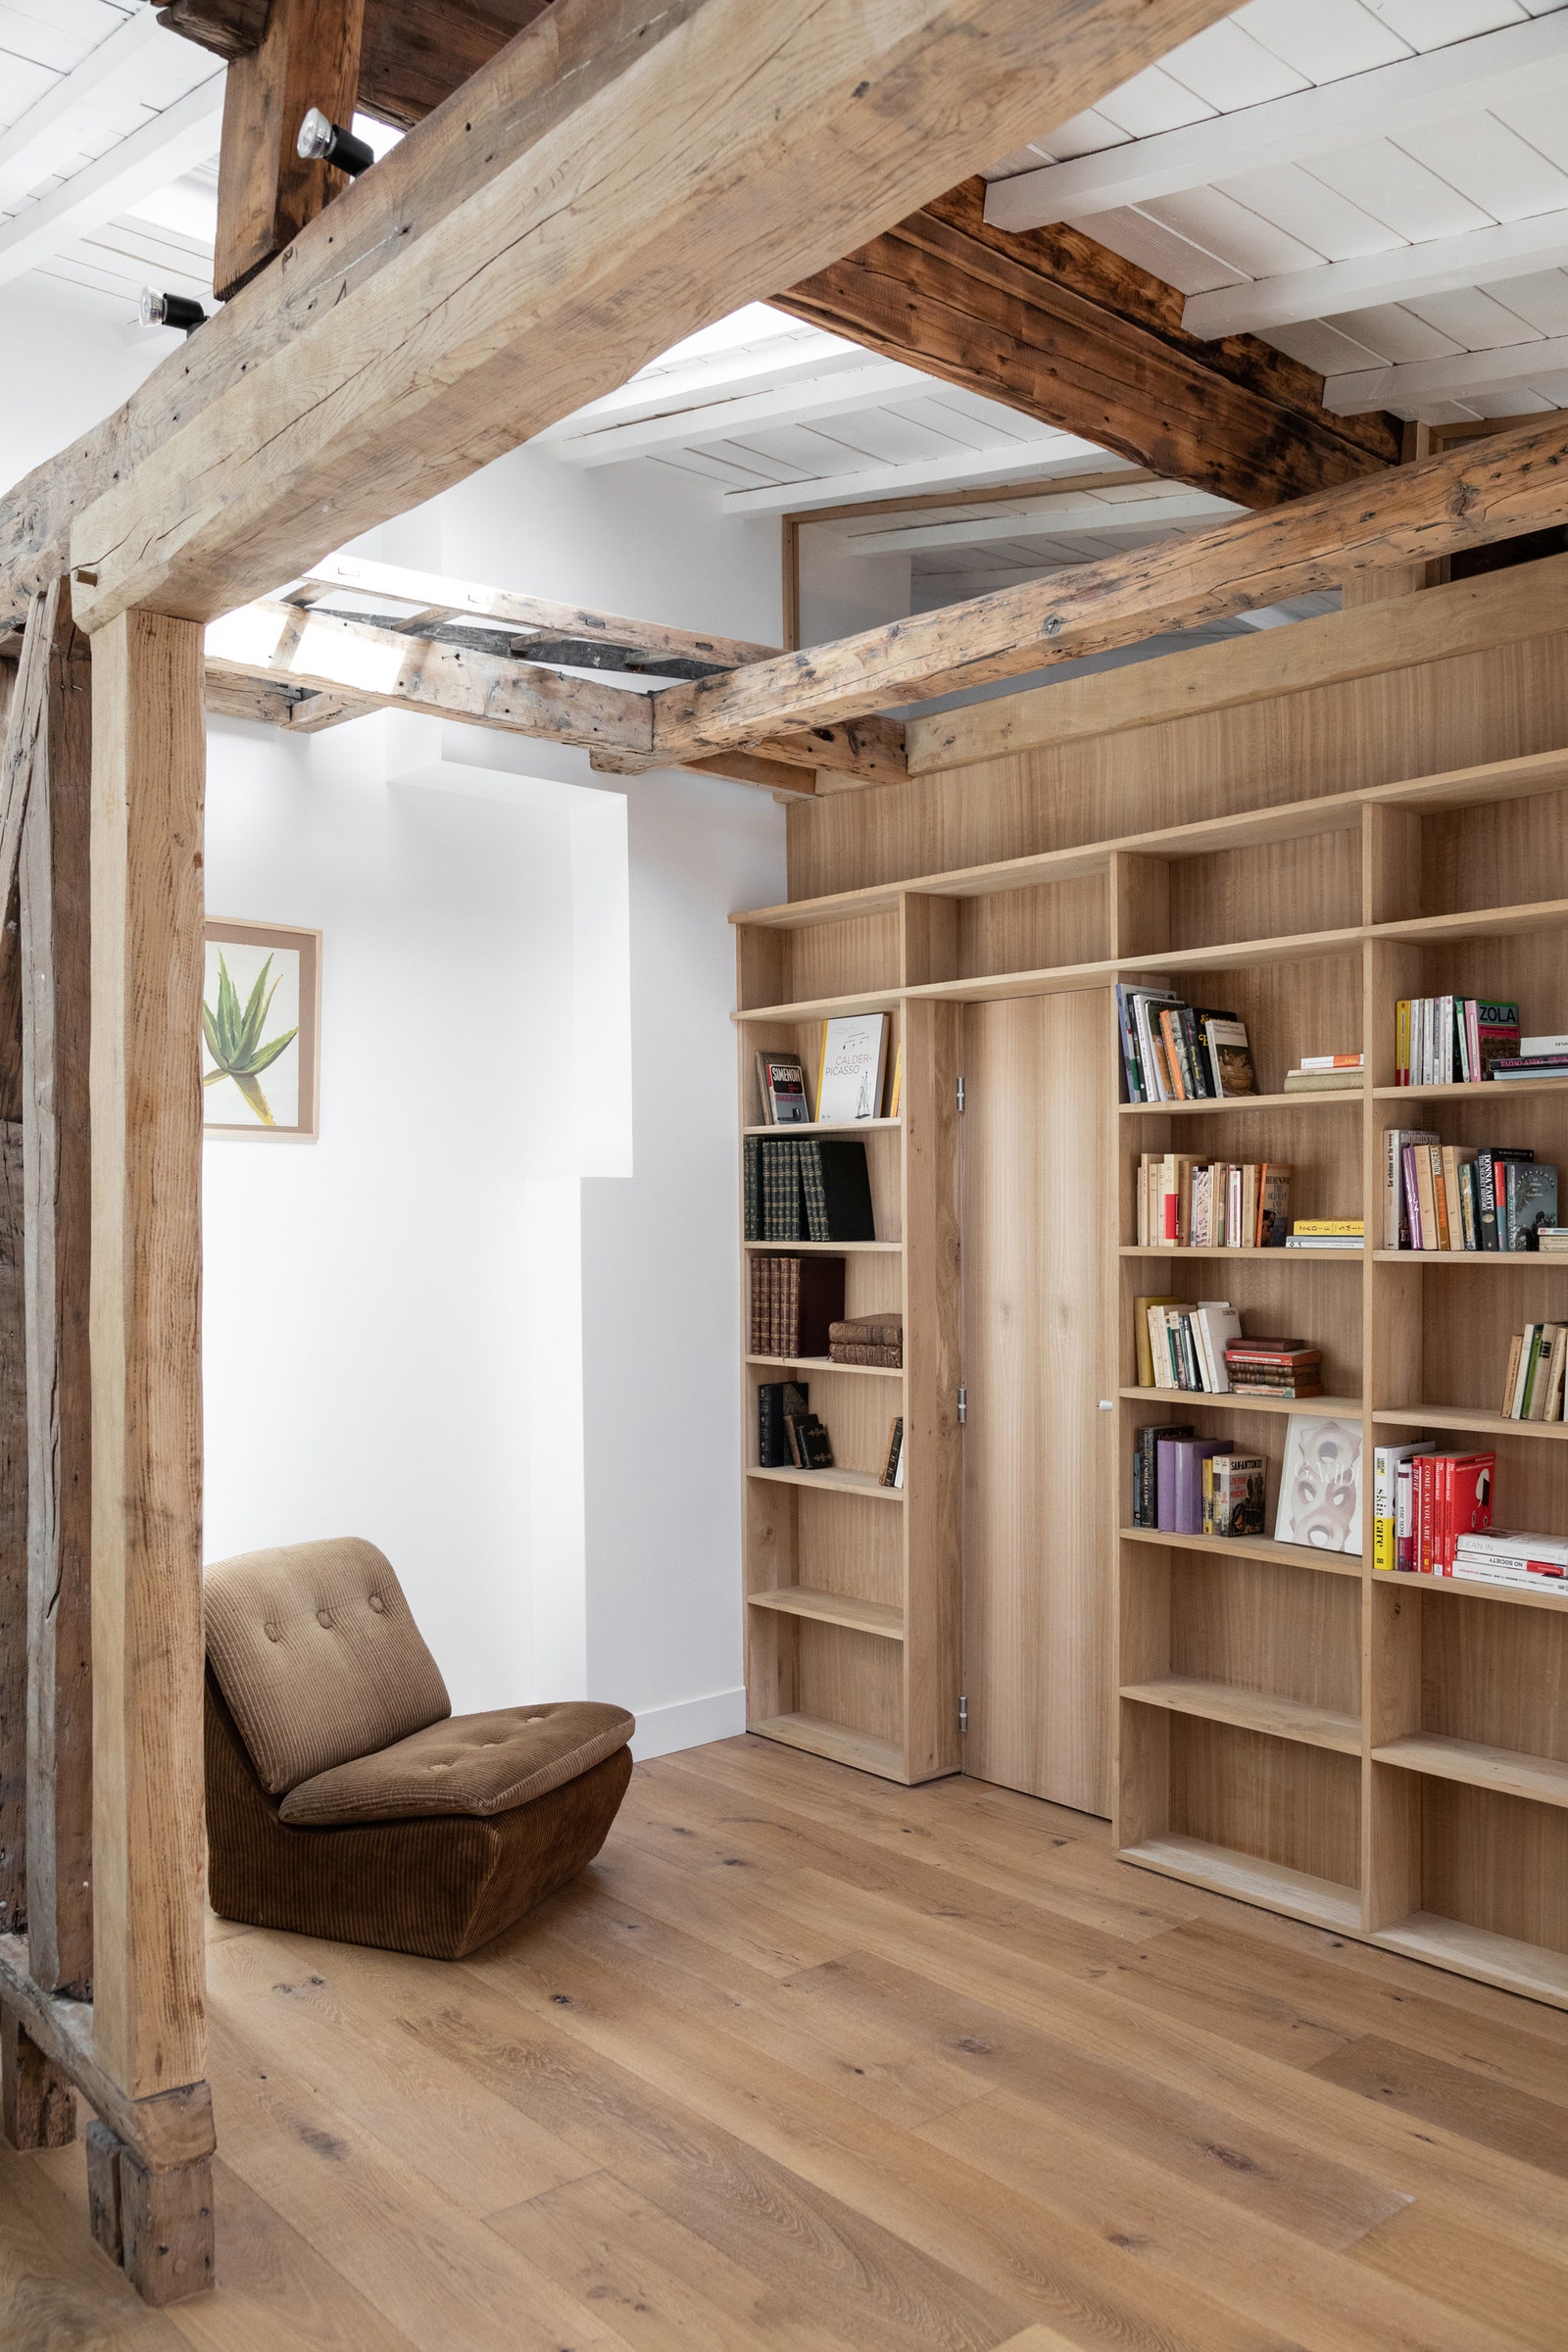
(689, 1723)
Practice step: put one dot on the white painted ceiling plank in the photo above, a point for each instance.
(695, 421)
(185, 134)
(1441, 265)
(1412, 386)
(44, 138)
(1388, 101)
(1070, 456)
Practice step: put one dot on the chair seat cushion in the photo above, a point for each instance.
(475, 1764)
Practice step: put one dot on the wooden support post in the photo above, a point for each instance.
(148, 760)
(103, 2189)
(308, 56)
(56, 1168)
(165, 2222)
(38, 2105)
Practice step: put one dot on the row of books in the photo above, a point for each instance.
(1185, 1485)
(789, 1434)
(850, 1078)
(1424, 1500)
(876, 1340)
(1438, 1195)
(1532, 1386)
(795, 1301)
(807, 1189)
(1199, 1348)
(1185, 1201)
(1178, 1053)
(1442, 1041)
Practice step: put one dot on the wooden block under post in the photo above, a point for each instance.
(104, 2152)
(167, 2229)
(38, 2105)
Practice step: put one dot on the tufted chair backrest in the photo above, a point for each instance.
(317, 1656)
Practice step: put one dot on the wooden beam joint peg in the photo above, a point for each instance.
(38, 2105)
(167, 2229)
(104, 2152)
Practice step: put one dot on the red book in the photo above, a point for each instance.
(1424, 1483)
(1470, 1482)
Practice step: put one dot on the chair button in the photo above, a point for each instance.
(324, 1617)
(378, 1604)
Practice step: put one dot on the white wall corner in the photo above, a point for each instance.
(689, 1723)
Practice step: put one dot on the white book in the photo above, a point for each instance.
(1503, 1544)
(1215, 1323)
(1532, 1048)
(855, 1049)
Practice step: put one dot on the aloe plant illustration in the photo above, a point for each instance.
(235, 1037)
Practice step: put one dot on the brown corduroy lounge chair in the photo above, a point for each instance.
(343, 1796)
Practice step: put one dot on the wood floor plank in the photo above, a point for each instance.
(55, 2290)
(668, 2289)
(1522, 2292)
(1532, 2130)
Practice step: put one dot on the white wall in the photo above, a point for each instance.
(490, 1319)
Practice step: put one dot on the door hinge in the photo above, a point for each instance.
(964, 1714)
(958, 1090)
(964, 1404)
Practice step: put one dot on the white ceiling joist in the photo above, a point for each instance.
(699, 421)
(1068, 512)
(1462, 78)
(1477, 257)
(1413, 386)
(55, 125)
(1052, 455)
(167, 144)
(788, 358)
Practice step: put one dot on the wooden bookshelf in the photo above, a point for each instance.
(1381, 1755)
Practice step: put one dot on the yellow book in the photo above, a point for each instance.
(1145, 1351)
(897, 1095)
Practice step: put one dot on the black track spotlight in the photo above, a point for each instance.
(171, 309)
(327, 142)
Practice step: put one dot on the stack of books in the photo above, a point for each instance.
(1286, 1368)
(1445, 1041)
(1327, 1074)
(1327, 1232)
(1176, 1053)
(789, 1434)
(868, 1340)
(807, 1189)
(1537, 1057)
(1527, 1562)
(1551, 1241)
(1182, 1345)
(795, 1303)
(1532, 1388)
(1185, 1202)
(1438, 1195)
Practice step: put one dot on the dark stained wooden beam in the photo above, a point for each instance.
(308, 56)
(1054, 325)
(414, 52)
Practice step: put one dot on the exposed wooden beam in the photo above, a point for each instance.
(1058, 326)
(746, 149)
(307, 56)
(414, 53)
(149, 2029)
(1467, 497)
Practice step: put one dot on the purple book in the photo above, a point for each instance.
(1179, 1474)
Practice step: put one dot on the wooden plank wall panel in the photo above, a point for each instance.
(1038, 1199)
(1495, 705)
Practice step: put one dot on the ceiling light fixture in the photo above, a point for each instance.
(171, 309)
(327, 142)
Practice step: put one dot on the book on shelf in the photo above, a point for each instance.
(778, 1400)
(1327, 1232)
(1501, 1556)
(1532, 1386)
(867, 1339)
(1233, 1494)
(794, 1303)
(1551, 1241)
(1543, 1065)
(1330, 1061)
(1320, 1485)
(806, 1188)
(849, 1084)
(1179, 1480)
(1184, 1202)
(781, 1083)
(1446, 1197)
(1328, 1075)
(1187, 1344)
(1146, 1468)
(1173, 1052)
(1287, 1368)
(810, 1447)
(1143, 1340)
(896, 1090)
(1389, 1527)
(1448, 1041)
(1440, 1499)
(892, 1474)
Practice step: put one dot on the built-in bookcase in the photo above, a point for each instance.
(1385, 1757)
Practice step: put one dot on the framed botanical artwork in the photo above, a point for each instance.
(261, 1031)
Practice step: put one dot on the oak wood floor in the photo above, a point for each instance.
(812, 2064)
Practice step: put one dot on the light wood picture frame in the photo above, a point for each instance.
(262, 984)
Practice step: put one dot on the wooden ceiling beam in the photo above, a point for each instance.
(1469, 497)
(1056, 325)
(744, 149)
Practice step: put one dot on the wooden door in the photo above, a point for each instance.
(1037, 1181)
